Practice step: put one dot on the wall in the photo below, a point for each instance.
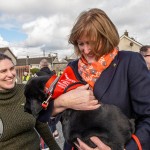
(125, 45)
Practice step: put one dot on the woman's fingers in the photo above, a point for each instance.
(94, 106)
(96, 141)
(80, 98)
(77, 146)
(99, 143)
(82, 145)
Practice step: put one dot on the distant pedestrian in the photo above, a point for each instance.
(60, 72)
(145, 52)
(54, 71)
(25, 77)
(44, 68)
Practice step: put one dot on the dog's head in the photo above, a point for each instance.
(35, 95)
(34, 89)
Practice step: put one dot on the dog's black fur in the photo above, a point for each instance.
(107, 122)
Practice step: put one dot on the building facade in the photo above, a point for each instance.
(129, 43)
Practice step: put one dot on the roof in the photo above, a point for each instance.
(130, 39)
(4, 49)
(28, 60)
(71, 57)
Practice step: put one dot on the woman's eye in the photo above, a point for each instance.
(80, 44)
(3, 71)
(12, 68)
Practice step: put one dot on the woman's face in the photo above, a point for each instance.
(7, 74)
(147, 58)
(86, 48)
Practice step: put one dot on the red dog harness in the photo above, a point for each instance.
(137, 141)
(56, 86)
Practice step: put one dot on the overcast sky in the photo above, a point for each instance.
(32, 27)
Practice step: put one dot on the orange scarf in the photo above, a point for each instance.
(91, 71)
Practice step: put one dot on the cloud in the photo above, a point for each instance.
(47, 31)
(3, 43)
(49, 22)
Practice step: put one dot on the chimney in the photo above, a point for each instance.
(126, 33)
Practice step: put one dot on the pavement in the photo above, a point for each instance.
(60, 140)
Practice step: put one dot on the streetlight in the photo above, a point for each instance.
(27, 63)
(51, 56)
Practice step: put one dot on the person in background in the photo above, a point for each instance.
(45, 70)
(19, 130)
(25, 77)
(54, 71)
(145, 52)
(114, 77)
(60, 72)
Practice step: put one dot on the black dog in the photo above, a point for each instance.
(107, 122)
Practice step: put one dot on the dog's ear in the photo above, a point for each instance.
(35, 95)
(36, 107)
(35, 87)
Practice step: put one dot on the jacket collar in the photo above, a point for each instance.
(103, 83)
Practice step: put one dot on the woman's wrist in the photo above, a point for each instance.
(61, 102)
(64, 102)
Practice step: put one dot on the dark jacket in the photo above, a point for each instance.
(44, 71)
(126, 84)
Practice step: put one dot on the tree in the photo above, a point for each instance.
(34, 70)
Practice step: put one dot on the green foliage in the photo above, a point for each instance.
(34, 70)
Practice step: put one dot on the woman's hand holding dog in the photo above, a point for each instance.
(100, 145)
(81, 98)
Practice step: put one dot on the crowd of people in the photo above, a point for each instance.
(114, 77)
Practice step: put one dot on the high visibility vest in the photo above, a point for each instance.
(25, 78)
